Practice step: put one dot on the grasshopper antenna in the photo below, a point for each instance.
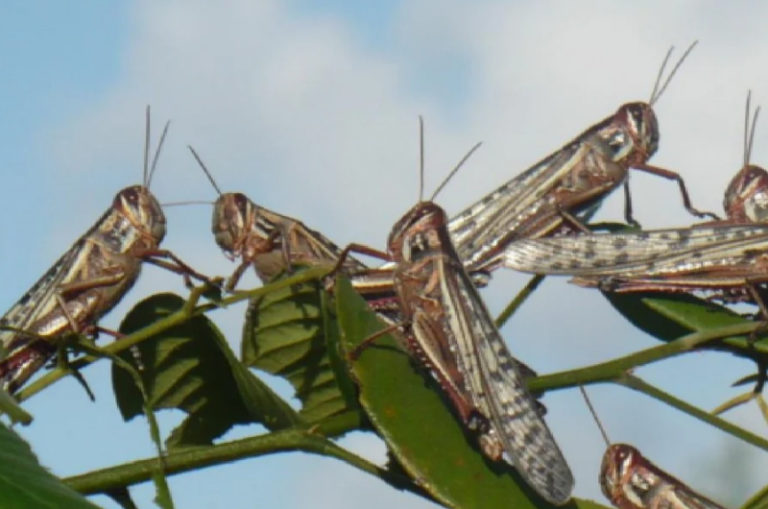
(657, 91)
(455, 169)
(421, 158)
(749, 133)
(146, 145)
(157, 152)
(594, 415)
(205, 169)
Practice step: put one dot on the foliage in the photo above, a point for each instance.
(293, 328)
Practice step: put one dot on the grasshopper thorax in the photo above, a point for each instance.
(419, 231)
(636, 137)
(143, 212)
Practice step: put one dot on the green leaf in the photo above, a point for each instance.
(757, 501)
(191, 367)
(669, 316)
(25, 484)
(287, 333)
(407, 409)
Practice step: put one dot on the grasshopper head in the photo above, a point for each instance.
(143, 211)
(233, 218)
(616, 469)
(421, 229)
(636, 138)
(746, 198)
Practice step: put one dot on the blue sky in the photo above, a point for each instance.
(312, 112)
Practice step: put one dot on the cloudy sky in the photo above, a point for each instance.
(312, 111)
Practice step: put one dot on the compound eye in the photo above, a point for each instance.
(132, 196)
(637, 116)
(241, 201)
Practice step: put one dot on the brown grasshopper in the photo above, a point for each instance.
(269, 241)
(88, 280)
(727, 259)
(446, 327)
(544, 199)
(630, 481)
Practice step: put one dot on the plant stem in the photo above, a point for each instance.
(521, 297)
(611, 370)
(192, 458)
(639, 385)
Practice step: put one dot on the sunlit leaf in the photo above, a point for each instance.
(191, 367)
(287, 333)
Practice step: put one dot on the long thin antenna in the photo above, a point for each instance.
(146, 145)
(157, 153)
(749, 133)
(421, 158)
(205, 169)
(594, 415)
(746, 130)
(657, 91)
(454, 170)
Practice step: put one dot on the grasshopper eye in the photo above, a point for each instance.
(132, 196)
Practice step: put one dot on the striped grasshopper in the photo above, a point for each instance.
(726, 259)
(630, 481)
(446, 327)
(273, 243)
(544, 199)
(269, 241)
(88, 280)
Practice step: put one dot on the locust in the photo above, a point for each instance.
(270, 242)
(273, 243)
(547, 198)
(447, 329)
(88, 280)
(450, 331)
(630, 481)
(725, 259)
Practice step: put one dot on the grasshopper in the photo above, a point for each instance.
(269, 241)
(446, 327)
(630, 481)
(272, 243)
(727, 259)
(545, 199)
(450, 331)
(88, 280)
(746, 197)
